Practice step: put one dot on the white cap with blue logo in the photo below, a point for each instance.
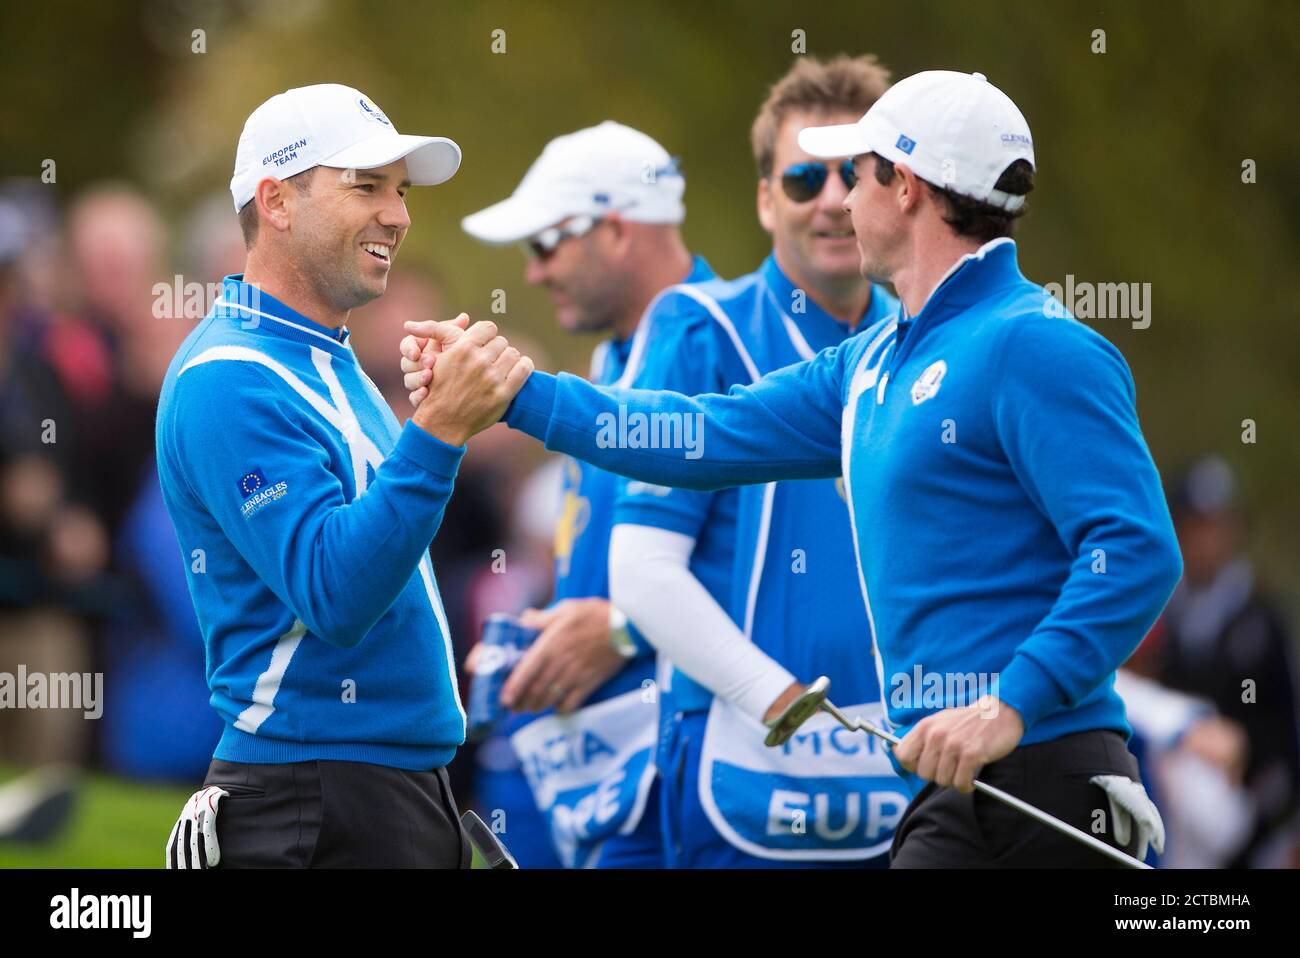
(954, 130)
(329, 124)
(599, 170)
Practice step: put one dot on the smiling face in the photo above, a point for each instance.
(814, 239)
(346, 230)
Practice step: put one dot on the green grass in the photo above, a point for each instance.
(116, 824)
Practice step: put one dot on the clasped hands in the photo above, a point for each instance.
(477, 374)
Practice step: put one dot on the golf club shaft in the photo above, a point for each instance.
(1037, 814)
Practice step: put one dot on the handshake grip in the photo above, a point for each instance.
(461, 377)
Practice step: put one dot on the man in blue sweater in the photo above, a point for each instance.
(1012, 538)
(305, 512)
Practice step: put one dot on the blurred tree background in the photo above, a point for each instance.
(1140, 149)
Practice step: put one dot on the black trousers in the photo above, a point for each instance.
(942, 828)
(336, 815)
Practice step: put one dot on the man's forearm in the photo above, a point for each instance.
(701, 442)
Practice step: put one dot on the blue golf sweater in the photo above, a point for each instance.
(305, 514)
(1008, 518)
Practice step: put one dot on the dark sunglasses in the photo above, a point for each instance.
(804, 181)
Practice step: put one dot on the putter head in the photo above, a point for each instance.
(797, 712)
(493, 852)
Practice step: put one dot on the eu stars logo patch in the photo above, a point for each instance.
(251, 481)
(258, 492)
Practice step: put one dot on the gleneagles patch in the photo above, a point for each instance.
(253, 484)
(927, 384)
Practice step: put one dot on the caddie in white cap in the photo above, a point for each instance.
(603, 169)
(599, 216)
(1011, 533)
(621, 187)
(313, 509)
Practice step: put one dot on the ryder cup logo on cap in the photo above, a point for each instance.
(331, 125)
(599, 170)
(372, 111)
(954, 130)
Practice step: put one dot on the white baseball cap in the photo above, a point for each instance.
(599, 170)
(331, 125)
(954, 130)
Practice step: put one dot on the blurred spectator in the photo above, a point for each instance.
(51, 549)
(42, 274)
(86, 547)
(1191, 761)
(106, 354)
(1223, 638)
(212, 246)
(157, 721)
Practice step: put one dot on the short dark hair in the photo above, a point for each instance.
(971, 217)
(248, 212)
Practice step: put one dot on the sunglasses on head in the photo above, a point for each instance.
(804, 181)
(543, 244)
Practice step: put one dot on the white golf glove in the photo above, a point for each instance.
(198, 821)
(1130, 803)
